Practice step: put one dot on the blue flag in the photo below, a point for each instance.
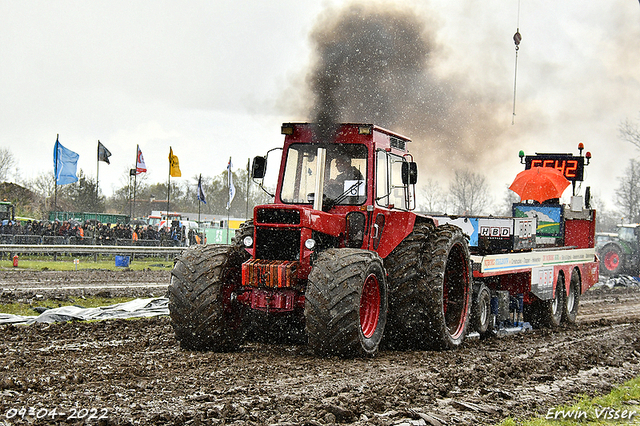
(65, 164)
(200, 191)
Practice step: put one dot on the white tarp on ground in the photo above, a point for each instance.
(133, 309)
(619, 281)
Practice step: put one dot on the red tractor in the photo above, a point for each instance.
(339, 253)
(340, 259)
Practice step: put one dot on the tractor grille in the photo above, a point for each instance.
(277, 244)
(270, 273)
(279, 216)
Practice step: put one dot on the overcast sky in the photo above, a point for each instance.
(216, 79)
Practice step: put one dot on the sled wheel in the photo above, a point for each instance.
(555, 305)
(481, 320)
(346, 303)
(547, 313)
(203, 313)
(572, 300)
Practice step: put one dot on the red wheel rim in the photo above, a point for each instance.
(611, 260)
(455, 292)
(370, 306)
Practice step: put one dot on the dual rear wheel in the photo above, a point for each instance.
(430, 289)
(562, 308)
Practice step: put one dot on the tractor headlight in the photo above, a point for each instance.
(310, 244)
(248, 241)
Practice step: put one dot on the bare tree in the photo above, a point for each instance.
(122, 198)
(44, 184)
(6, 163)
(606, 219)
(510, 197)
(628, 193)
(469, 193)
(629, 132)
(432, 198)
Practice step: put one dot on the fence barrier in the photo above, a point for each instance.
(6, 239)
(95, 250)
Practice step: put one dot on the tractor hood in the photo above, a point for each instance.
(299, 216)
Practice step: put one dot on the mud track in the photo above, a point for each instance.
(133, 372)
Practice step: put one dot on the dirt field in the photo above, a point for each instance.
(121, 372)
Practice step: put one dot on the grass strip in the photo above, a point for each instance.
(620, 406)
(87, 263)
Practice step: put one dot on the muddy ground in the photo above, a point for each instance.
(122, 372)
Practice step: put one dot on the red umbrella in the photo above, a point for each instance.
(539, 184)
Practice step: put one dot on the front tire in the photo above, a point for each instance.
(346, 303)
(203, 314)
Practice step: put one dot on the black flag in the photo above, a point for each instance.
(103, 153)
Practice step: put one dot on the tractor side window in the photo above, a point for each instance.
(382, 179)
(390, 189)
(397, 195)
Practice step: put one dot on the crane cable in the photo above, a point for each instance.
(517, 38)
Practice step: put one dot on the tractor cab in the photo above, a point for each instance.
(339, 191)
(356, 165)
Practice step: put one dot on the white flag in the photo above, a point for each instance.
(140, 166)
(232, 189)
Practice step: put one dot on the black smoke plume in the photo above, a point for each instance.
(375, 64)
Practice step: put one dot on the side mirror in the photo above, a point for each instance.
(259, 167)
(587, 197)
(409, 173)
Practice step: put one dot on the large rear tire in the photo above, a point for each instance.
(346, 303)
(203, 314)
(430, 288)
(407, 289)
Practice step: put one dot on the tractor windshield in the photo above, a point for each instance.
(627, 234)
(345, 172)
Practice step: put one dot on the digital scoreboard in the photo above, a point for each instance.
(571, 167)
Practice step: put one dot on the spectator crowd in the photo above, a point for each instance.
(103, 233)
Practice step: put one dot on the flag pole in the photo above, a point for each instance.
(169, 189)
(198, 197)
(229, 192)
(135, 171)
(55, 175)
(135, 182)
(98, 172)
(246, 213)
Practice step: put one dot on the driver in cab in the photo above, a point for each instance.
(346, 172)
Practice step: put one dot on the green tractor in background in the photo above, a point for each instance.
(621, 254)
(7, 211)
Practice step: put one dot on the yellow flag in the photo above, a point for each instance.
(174, 165)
